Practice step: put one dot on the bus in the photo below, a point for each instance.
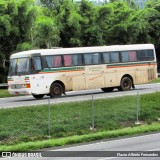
(53, 72)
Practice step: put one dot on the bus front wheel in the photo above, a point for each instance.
(56, 90)
(126, 84)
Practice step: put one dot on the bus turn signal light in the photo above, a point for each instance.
(27, 85)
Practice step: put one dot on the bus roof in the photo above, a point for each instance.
(59, 51)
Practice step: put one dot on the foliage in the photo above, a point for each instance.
(48, 23)
(69, 23)
(91, 33)
(153, 19)
(46, 33)
(39, 144)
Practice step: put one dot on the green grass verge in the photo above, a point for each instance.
(83, 138)
(4, 93)
(156, 80)
(30, 124)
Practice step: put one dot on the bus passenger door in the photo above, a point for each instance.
(37, 80)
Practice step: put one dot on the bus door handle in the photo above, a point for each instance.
(83, 73)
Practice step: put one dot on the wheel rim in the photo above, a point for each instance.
(126, 84)
(56, 90)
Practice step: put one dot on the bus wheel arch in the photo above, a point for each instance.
(126, 83)
(57, 88)
(38, 96)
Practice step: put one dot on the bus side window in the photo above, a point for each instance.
(36, 64)
(53, 61)
(105, 58)
(87, 59)
(145, 55)
(115, 57)
(96, 58)
(125, 56)
(77, 60)
(67, 60)
(57, 61)
(133, 56)
(49, 60)
(141, 55)
(150, 55)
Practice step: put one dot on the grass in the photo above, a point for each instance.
(82, 138)
(30, 124)
(156, 80)
(4, 93)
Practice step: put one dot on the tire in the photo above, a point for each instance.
(126, 84)
(38, 96)
(110, 89)
(56, 90)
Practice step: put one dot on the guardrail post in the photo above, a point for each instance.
(93, 127)
(138, 108)
(49, 118)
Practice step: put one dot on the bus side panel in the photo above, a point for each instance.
(145, 74)
(38, 84)
(95, 76)
(78, 82)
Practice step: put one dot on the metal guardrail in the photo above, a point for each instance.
(3, 85)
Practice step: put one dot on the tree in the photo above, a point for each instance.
(153, 19)
(90, 30)
(8, 32)
(52, 5)
(118, 23)
(46, 33)
(8, 29)
(68, 21)
(27, 14)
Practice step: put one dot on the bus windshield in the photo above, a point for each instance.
(19, 66)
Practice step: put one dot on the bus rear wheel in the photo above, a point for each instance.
(126, 84)
(56, 90)
(38, 96)
(110, 89)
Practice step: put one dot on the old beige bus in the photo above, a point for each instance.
(55, 71)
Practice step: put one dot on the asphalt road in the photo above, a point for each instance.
(76, 96)
(116, 148)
